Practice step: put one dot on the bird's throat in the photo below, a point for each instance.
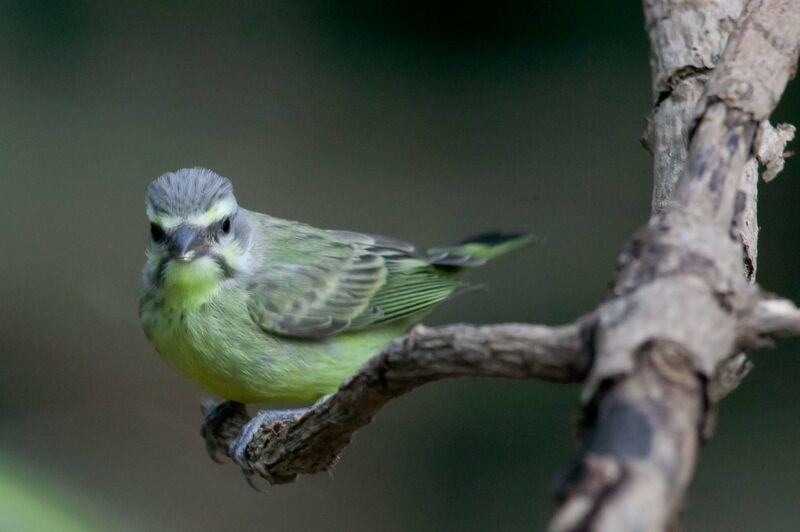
(191, 284)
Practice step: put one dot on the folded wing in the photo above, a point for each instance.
(316, 283)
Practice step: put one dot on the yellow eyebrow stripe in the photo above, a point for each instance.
(216, 213)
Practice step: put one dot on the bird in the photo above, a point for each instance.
(258, 309)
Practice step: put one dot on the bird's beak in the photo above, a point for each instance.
(184, 242)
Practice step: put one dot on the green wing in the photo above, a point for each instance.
(315, 283)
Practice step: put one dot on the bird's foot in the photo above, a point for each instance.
(271, 420)
(216, 417)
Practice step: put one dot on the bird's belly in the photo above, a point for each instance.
(235, 359)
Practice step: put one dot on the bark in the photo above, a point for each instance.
(675, 319)
(656, 356)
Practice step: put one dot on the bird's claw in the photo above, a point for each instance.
(214, 429)
(238, 446)
(268, 419)
(215, 415)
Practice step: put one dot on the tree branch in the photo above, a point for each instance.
(771, 317)
(313, 442)
(674, 322)
(686, 40)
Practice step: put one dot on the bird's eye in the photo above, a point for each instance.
(226, 225)
(157, 233)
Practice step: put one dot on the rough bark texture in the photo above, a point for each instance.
(674, 321)
(686, 42)
(665, 347)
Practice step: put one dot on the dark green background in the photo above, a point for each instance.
(428, 121)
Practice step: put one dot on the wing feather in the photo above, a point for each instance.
(314, 283)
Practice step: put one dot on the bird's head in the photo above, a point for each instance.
(197, 231)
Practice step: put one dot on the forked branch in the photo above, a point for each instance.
(667, 343)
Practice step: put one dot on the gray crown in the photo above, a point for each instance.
(187, 191)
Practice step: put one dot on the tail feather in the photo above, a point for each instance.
(476, 250)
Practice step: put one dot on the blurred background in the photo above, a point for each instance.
(428, 121)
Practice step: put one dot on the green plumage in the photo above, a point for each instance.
(279, 311)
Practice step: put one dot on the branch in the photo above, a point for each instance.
(686, 40)
(674, 323)
(313, 442)
(770, 317)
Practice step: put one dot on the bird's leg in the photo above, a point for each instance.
(268, 419)
(219, 418)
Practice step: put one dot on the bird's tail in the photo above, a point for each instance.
(477, 250)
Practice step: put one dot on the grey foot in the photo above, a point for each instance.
(216, 416)
(265, 418)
